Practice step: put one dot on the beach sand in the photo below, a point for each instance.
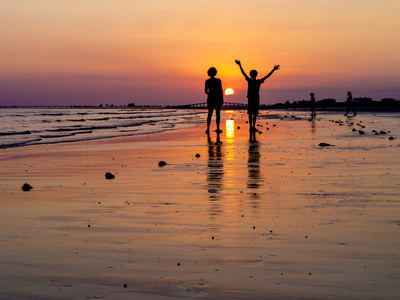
(275, 218)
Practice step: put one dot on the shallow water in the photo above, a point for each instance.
(33, 126)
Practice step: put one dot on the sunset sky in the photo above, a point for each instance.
(92, 52)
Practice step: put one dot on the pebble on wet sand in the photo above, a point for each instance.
(109, 175)
(26, 187)
(325, 145)
(161, 163)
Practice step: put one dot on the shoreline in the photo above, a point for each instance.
(274, 217)
(278, 113)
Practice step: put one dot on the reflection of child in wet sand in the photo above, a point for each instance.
(215, 98)
(312, 105)
(349, 104)
(253, 93)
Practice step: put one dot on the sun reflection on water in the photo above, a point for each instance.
(230, 129)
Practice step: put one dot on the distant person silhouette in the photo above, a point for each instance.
(350, 104)
(215, 98)
(312, 105)
(253, 93)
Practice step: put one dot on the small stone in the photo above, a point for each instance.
(178, 264)
(161, 163)
(88, 225)
(382, 132)
(197, 155)
(325, 145)
(109, 175)
(361, 132)
(391, 138)
(125, 285)
(26, 187)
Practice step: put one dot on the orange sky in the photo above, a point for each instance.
(158, 52)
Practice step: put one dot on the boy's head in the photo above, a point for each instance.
(253, 74)
(212, 71)
(312, 94)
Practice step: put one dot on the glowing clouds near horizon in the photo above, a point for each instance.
(229, 91)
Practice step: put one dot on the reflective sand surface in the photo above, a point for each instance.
(273, 216)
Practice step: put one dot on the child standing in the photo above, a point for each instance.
(253, 93)
(215, 98)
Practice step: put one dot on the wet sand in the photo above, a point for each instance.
(274, 216)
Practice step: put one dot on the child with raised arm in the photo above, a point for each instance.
(253, 93)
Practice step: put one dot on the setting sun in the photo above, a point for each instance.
(229, 91)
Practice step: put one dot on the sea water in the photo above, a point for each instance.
(32, 126)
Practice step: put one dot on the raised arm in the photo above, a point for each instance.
(241, 69)
(276, 67)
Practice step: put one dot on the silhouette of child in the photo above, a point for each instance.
(349, 104)
(215, 98)
(253, 93)
(312, 105)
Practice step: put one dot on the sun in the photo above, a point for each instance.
(229, 91)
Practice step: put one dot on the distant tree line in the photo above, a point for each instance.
(325, 103)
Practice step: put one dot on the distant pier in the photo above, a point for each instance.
(226, 105)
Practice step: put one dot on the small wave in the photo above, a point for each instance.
(56, 136)
(15, 133)
(168, 126)
(52, 114)
(77, 120)
(99, 119)
(64, 129)
(79, 127)
(20, 143)
(138, 124)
